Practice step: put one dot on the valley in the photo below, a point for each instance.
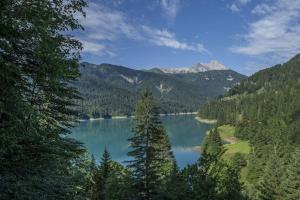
(147, 100)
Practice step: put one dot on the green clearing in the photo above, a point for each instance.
(227, 133)
(234, 145)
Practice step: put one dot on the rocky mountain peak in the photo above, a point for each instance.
(196, 68)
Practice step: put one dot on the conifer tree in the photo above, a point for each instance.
(176, 187)
(213, 143)
(215, 178)
(93, 165)
(92, 170)
(119, 183)
(101, 176)
(38, 62)
(151, 149)
(268, 187)
(291, 183)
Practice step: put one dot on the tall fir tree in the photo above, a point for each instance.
(151, 149)
(101, 176)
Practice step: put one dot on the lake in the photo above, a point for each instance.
(185, 134)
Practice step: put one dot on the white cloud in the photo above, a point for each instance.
(234, 8)
(276, 33)
(171, 7)
(91, 47)
(262, 9)
(103, 25)
(237, 4)
(168, 39)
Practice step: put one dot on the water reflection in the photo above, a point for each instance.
(185, 134)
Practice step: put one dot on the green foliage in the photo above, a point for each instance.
(119, 183)
(176, 186)
(38, 63)
(114, 89)
(238, 161)
(151, 150)
(212, 177)
(213, 144)
(265, 109)
(268, 187)
(100, 177)
(228, 186)
(111, 181)
(291, 182)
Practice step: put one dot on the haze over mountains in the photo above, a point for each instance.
(113, 90)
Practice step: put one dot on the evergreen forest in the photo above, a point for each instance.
(41, 103)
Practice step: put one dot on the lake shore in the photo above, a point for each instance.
(125, 117)
(206, 121)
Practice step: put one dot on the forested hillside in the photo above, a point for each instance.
(37, 111)
(113, 90)
(265, 108)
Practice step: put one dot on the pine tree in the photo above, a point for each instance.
(151, 150)
(291, 183)
(212, 144)
(268, 187)
(101, 176)
(215, 178)
(119, 183)
(93, 165)
(176, 187)
(92, 170)
(227, 186)
(105, 164)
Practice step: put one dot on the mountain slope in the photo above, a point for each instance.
(114, 89)
(265, 108)
(259, 88)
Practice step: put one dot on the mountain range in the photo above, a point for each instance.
(196, 68)
(113, 90)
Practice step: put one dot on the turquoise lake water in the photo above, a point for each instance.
(185, 134)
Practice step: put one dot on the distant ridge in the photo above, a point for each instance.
(114, 90)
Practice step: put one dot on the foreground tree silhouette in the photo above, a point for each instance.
(152, 157)
(38, 62)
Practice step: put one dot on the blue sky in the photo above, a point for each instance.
(244, 35)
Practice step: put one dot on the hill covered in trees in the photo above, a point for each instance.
(113, 90)
(265, 108)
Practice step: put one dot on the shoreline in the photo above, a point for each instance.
(125, 117)
(206, 121)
